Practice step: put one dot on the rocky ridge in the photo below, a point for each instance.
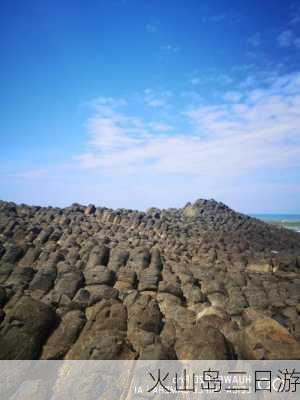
(200, 282)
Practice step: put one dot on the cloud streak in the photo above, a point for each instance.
(227, 140)
(287, 39)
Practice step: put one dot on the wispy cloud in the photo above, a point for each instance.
(216, 77)
(288, 38)
(156, 99)
(285, 38)
(227, 140)
(297, 42)
(195, 81)
(295, 14)
(160, 127)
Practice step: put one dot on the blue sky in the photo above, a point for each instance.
(135, 103)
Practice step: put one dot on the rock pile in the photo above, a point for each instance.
(201, 282)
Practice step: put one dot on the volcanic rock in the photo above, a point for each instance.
(198, 282)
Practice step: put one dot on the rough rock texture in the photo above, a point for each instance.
(201, 282)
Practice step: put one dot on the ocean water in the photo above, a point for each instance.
(289, 221)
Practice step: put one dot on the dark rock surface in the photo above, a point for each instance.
(201, 282)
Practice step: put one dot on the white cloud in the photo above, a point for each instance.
(212, 76)
(156, 102)
(288, 39)
(285, 38)
(297, 42)
(251, 81)
(195, 81)
(107, 101)
(228, 140)
(112, 137)
(156, 99)
(160, 127)
(223, 79)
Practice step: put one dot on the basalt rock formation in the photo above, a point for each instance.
(200, 282)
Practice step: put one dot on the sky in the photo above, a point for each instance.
(139, 103)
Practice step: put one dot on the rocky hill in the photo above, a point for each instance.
(200, 282)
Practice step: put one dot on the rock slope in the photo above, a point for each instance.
(200, 282)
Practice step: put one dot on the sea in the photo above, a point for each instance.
(289, 221)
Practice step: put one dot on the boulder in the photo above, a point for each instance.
(126, 275)
(118, 258)
(43, 280)
(174, 289)
(63, 337)
(20, 277)
(69, 283)
(266, 339)
(202, 342)
(156, 351)
(148, 279)
(156, 260)
(236, 302)
(5, 271)
(98, 275)
(30, 257)
(212, 286)
(81, 299)
(98, 256)
(3, 296)
(182, 317)
(256, 297)
(140, 258)
(44, 236)
(217, 299)
(193, 293)
(25, 329)
(100, 292)
(213, 316)
(144, 314)
(12, 254)
(91, 209)
(147, 282)
(104, 335)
